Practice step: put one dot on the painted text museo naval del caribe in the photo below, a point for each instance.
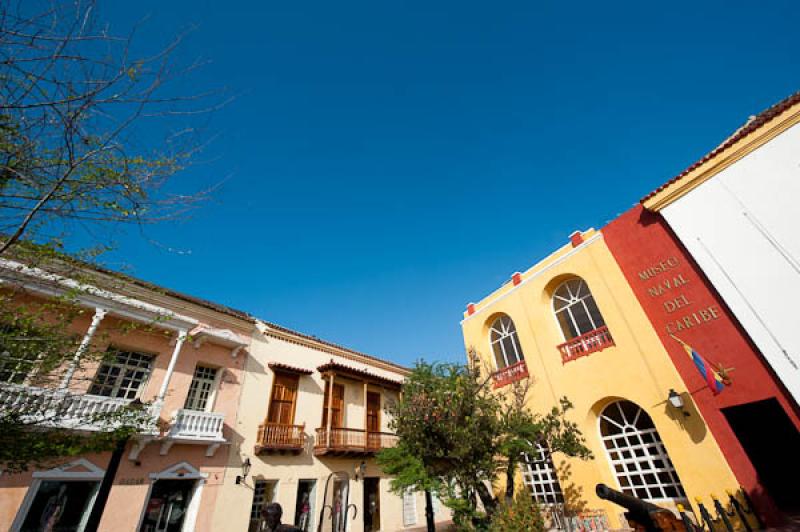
(668, 285)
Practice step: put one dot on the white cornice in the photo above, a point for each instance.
(52, 285)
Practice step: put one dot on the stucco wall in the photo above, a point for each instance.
(741, 227)
(235, 501)
(637, 368)
(133, 481)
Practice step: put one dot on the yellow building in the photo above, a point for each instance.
(572, 324)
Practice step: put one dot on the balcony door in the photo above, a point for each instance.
(284, 398)
(373, 420)
(336, 406)
(373, 412)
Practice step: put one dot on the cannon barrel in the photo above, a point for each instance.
(649, 516)
(630, 503)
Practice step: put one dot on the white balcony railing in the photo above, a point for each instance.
(61, 408)
(195, 425)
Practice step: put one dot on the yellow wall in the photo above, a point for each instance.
(637, 369)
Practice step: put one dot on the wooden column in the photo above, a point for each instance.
(330, 407)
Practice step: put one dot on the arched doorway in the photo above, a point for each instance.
(638, 457)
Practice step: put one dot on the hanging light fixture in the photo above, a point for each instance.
(676, 400)
(246, 465)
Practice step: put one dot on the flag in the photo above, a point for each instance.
(711, 377)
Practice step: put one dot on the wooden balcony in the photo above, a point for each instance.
(351, 442)
(585, 344)
(280, 438)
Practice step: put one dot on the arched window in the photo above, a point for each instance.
(505, 344)
(539, 475)
(637, 454)
(575, 309)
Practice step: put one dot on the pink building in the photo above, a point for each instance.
(185, 363)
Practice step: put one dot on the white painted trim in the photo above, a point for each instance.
(59, 473)
(171, 367)
(491, 301)
(190, 518)
(99, 314)
(49, 284)
(170, 473)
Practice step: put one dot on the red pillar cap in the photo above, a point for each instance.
(576, 238)
(516, 278)
(470, 309)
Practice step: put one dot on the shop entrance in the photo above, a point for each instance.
(304, 507)
(771, 441)
(372, 504)
(166, 509)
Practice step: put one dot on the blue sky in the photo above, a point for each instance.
(387, 162)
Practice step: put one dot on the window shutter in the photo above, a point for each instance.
(409, 508)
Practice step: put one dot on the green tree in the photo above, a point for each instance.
(74, 98)
(457, 434)
(521, 514)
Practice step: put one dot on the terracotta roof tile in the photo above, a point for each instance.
(357, 373)
(277, 366)
(751, 126)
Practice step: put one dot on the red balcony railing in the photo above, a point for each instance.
(351, 441)
(280, 437)
(585, 344)
(510, 374)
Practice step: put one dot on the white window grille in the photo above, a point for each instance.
(14, 369)
(504, 341)
(263, 494)
(123, 377)
(16, 362)
(202, 388)
(637, 454)
(575, 309)
(409, 508)
(540, 476)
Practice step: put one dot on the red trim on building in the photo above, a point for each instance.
(509, 374)
(576, 239)
(470, 309)
(679, 300)
(516, 278)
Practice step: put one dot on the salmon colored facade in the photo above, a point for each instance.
(169, 478)
(224, 390)
(573, 325)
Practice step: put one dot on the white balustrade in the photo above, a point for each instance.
(196, 425)
(60, 408)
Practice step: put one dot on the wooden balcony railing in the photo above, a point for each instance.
(341, 441)
(582, 345)
(510, 374)
(281, 438)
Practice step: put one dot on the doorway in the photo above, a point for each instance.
(167, 506)
(304, 507)
(60, 505)
(771, 441)
(372, 504)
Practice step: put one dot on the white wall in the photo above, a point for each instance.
(742, 227)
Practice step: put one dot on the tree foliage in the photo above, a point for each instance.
(457, 434)
(75, 99)
(520, 514)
